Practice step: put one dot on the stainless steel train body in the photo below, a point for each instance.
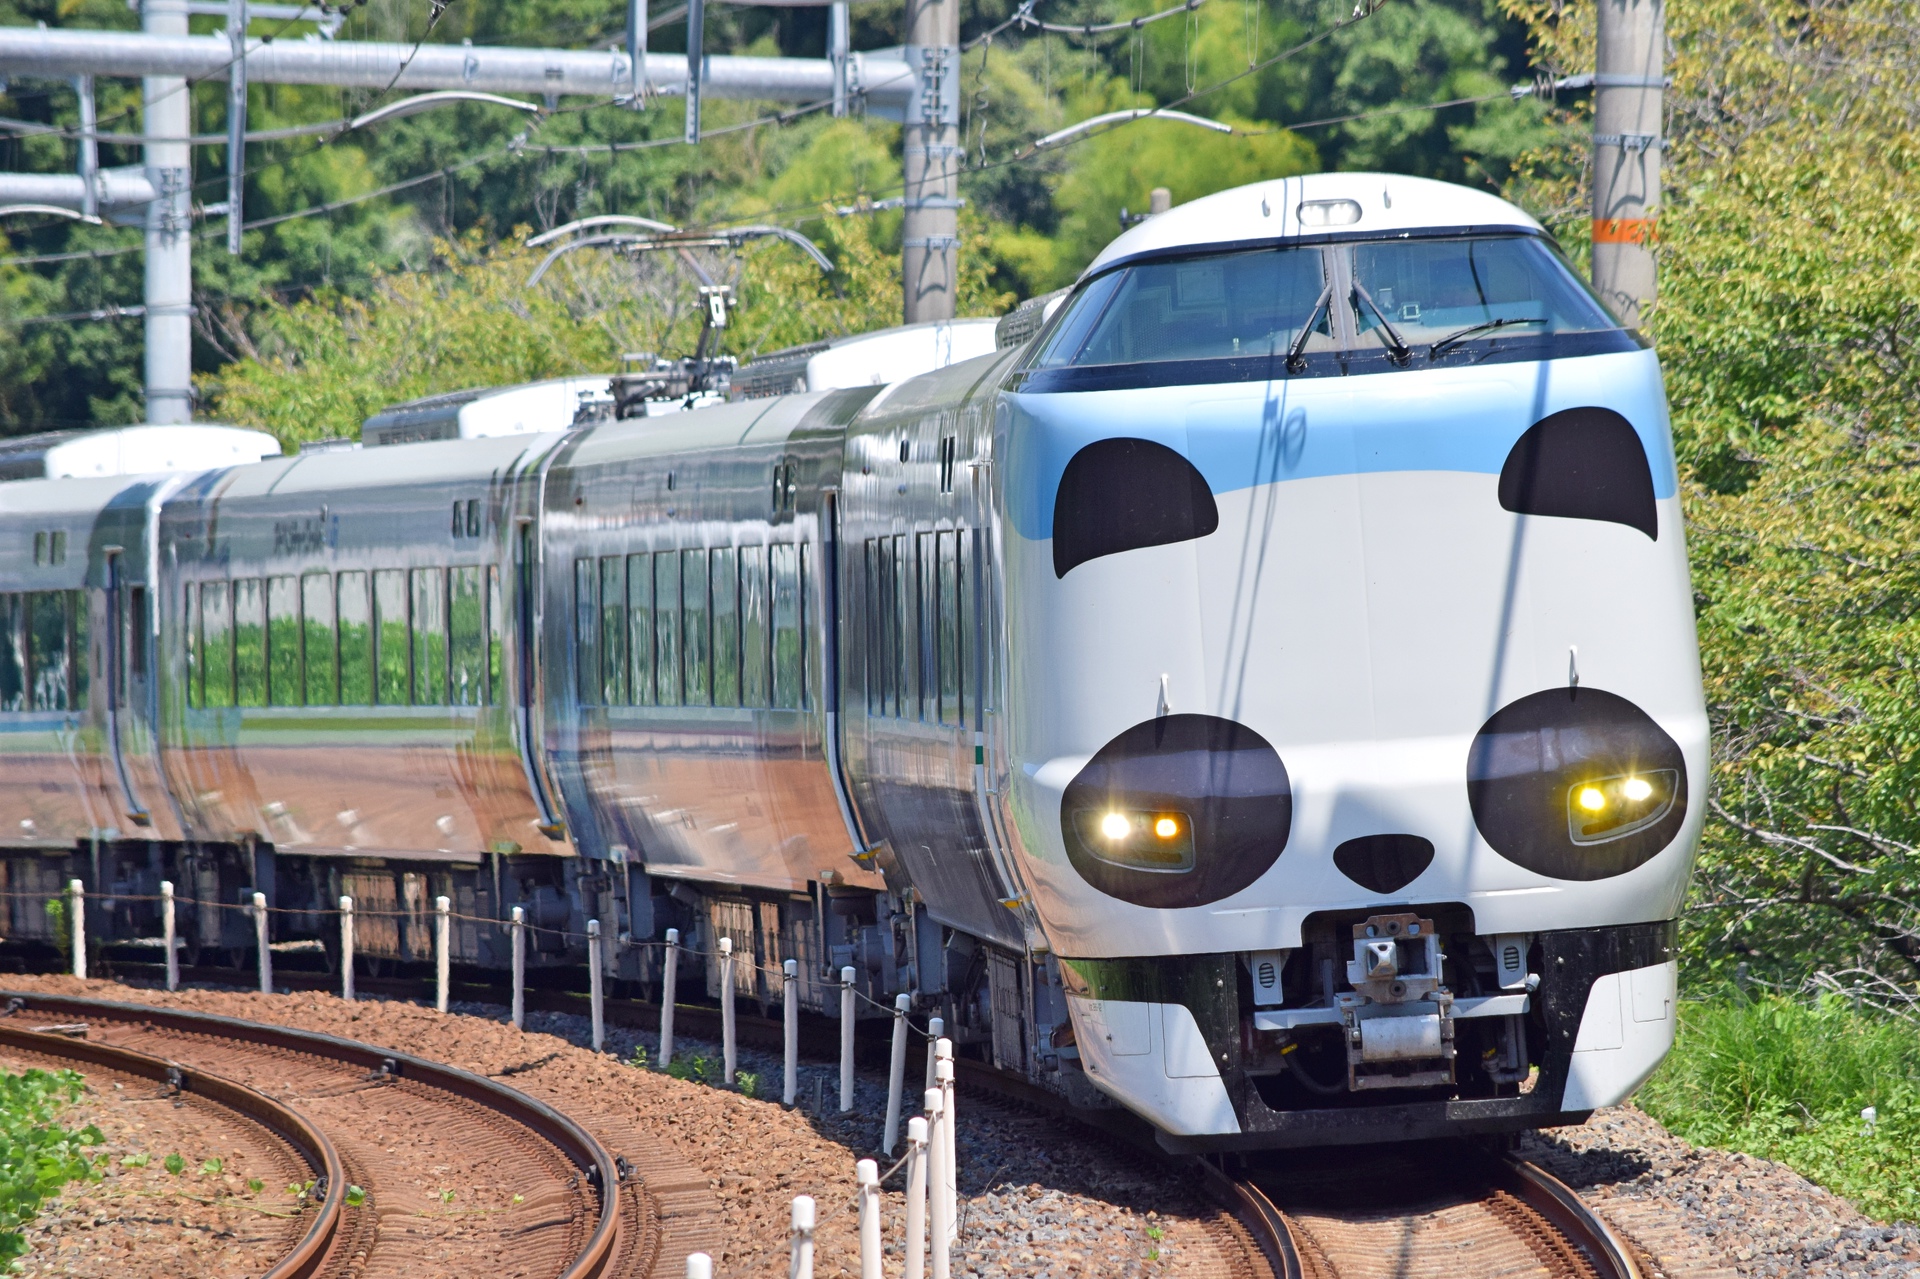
(1266, 698)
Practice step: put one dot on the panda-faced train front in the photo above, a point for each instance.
(1353, 667)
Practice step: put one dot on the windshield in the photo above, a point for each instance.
(1379, 297)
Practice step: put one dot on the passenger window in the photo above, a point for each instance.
(613, 630)
(666, 628)
(586, 625)
(754, 638)
(54, 669)
(968, 656)
(789, 653)
(249, 643)
(467, 638)
(356, 641)
(196, 647)
(137, 632)
(496, 630)
(321, 665)
(429, 637)
(640, 626)
(216, 642)
(698, 637)
(726, 627)
(390, 637)
(926, 579)
(947, 610)
(13, 654)
(283, 642)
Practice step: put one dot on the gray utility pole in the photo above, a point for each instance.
(168, 115)
(1629, 92)
(930, 255)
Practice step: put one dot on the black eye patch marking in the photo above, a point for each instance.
(1124, 494)
(1581, 464)
(1384, 863)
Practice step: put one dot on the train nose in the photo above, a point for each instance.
(1181, 810)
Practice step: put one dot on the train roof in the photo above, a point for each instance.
(131, 450)
(1316, 204)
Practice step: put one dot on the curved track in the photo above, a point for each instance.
(1433, 1213)
(460, 1174)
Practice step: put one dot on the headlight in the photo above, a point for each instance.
(1137, 839)
(1609, 808)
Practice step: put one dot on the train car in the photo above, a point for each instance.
(1262, 693)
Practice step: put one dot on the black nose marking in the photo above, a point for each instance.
(1384, 863)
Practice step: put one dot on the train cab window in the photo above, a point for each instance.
(466, 638)
(249, 642)
(356, 640)
(755, 628)
(429, 636)
(320, 664)
(640, 627)
(666, 628)
(391, 640)
(789, 642)
(284, 684)
(725, 577)
(697, 637)
(216, 643)
(613, 630)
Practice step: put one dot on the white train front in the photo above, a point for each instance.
(1267, 698)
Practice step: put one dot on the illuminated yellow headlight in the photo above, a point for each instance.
(1592, 798)
(1166, 827)
(1116, 826)
(1608, 808)
(1636, 788)
(1138, 839)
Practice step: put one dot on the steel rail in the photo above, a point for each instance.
(283, 1121)
(580, 1147)
(1556, 1201)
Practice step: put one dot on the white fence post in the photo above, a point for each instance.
(801, 1267)
(442, 950)
(260, 942)
(896, 1071)
(699, 1266)
(669, 987)
(595, 995)
(866, 1175)
(347, 940)
(936, 1182)
(935, 1028)
(915, 1244)
(726, 1007)
(77, 927)
(949, 1129)
(790, 1015)
(517, 932)
(168, 928)
(846, 1039)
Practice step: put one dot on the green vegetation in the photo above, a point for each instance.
(1789, 1080)
(37, 1156)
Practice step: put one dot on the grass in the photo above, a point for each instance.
(37, 1156)
(1787, 1079)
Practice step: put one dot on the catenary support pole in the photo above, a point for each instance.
(949, 1187)
(442, 956)
(839, 52)
(866, 1178)
(696, 63)
(936, 1027)
(169, 285)
(596, 996)
(89, 158)
(1628, 105)
(930, 243)
(347, 940)
(169, 931)
(726, 1007)
(846, 1039)
(518, 927)
(77, 927)
(915, 1244)
(800, 1266)
(236, 122)
(262, 944)
(896, 1072)
(637, 87)
(938, 1244)
(790, 1026)
(669, 986)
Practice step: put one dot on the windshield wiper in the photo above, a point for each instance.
(1398, 351)
(1295, 362)
(1459, 335)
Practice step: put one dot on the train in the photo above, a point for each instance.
(1255, 688)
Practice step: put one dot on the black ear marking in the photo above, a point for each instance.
(1124, 494)
(1582, 464)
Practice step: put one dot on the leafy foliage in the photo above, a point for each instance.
(37, 1156)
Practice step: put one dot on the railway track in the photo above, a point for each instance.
(1435, 1212)
(455, 1173)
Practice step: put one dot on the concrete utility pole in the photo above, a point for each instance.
(1629, 91)
(930, 255)
(168, 118)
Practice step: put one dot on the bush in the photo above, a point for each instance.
(1788, 1080)
(37, 1157)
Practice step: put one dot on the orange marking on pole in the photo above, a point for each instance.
(1625, 230)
